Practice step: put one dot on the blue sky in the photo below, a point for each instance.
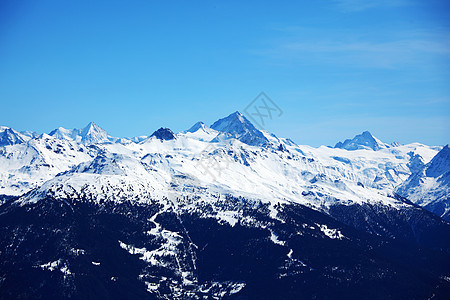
(335, 68)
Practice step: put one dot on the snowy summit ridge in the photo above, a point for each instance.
(9, 136)
(364, 140)
(237, 126)
(91, 134)
(244, 161)
(188, 213)
(197, 126)
(429, 186)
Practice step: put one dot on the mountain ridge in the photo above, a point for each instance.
(429, 186)
(192, 215)
(364, 140)
(237, 126)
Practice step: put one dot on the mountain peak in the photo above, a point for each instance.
(440, 164)
(93, 133)
(90, 127)
(364, 140)
(196, 127)
(9, 136)
(90, 134)
(163, 134)
(63, 133)
(231, 120)
(237, 126)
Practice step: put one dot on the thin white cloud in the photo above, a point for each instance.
(354, 49)
(400, 47)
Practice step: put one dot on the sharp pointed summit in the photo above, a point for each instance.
(237, 126)
(197, 126)
(231, 122)
(364, 140)
(9, 136)
(201, 132)
(90, 134)
(93, 133)
(91, 126)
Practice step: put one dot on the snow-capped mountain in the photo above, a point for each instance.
(91, 134)
(429, 186)
(164, 134)
(216, 212)
(364, 140)
(9, 136)
(65, 134)
(280, 170)
(201, 132)
(238, 127)
(28, 165)
(198, 126)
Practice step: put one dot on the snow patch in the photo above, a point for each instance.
(274, 238)
(57, 265)
(331, 233)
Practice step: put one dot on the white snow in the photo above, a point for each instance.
(430, 185)
(229, 217)
(274, 238)
(330, 232)
(204, 166)
(51, 266)
(168, 248)
(193, 166)
(57, 265)
(77, 252)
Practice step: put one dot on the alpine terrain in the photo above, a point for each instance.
(225, 211)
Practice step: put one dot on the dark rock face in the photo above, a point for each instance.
(163, 134)
(78, 249)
